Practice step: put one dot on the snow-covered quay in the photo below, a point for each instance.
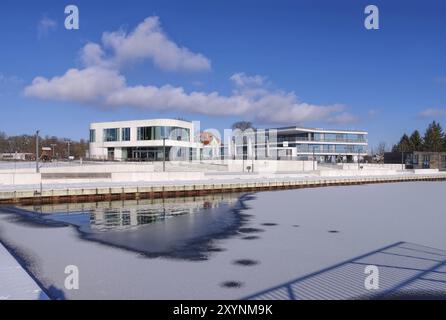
(15, 282)
(266, 246)
(138, 181)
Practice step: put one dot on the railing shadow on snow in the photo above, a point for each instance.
(406, 271)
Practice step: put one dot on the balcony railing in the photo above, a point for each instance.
(304, 148)
(298, 139)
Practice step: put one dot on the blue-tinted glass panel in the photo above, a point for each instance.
(92, 135)
(125, 134)
(111, 134)
(158, 133)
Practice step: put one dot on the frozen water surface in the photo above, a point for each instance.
(219, 247)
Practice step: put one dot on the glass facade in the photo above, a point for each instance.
(327, 143)
(125, 134)
(92, 135)
(321, 137)
(111, 134)
(341, 148)
(155, 153)
(337, 137)
(158, 133)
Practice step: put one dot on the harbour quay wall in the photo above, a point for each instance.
(193, 188)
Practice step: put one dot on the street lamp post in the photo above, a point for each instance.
(313, 158)
(402, 160)
(243, 158)
(53, 147)
(164, 154)
(37, 152)
(68, 149)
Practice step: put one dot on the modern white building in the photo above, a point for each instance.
(299, 143)
(322, 144)
(147, 140)
(143, 140)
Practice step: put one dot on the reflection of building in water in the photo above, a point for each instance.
(139, 214)
(129, 213)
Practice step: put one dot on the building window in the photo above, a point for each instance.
(125, 134)
(158, 133)
(111, 134)
(144, 133)
(92, 135)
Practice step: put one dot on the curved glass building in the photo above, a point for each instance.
(143, 140)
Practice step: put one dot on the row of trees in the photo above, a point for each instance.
(27, 144)
(434, 139)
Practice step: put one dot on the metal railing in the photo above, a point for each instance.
(299, 139)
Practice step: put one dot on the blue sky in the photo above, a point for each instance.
(275, 63)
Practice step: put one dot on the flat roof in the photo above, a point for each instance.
(317, 130)
(141, 120)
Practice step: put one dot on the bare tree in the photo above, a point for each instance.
(381, 148)
(242, 125)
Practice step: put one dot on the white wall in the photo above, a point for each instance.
(156, 176)
(115, 167)
(20, 178)
(271, 165)
(354, 166)
(352, 173)
(425, 171)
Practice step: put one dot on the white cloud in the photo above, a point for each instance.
(373, 112)
(198, 83)
(93, 55)
(440, 79)
(432, 113)
(101, 83)
(242, 80)
(343, 118)
(10, 84)
(10, 80)
(108, 88)
(44, 26)
(90, 85)
(146, 41)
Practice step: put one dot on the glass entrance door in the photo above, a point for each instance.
(111, 153)
(144, 155)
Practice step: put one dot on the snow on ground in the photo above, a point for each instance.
(209, 179)
(15, 282)
(288, 234)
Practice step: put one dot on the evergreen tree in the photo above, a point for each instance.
(3, 142)
(434, 138)
(404, 145)
(416, 142)
(444, 143)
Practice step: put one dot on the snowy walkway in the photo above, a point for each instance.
(15, 282)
